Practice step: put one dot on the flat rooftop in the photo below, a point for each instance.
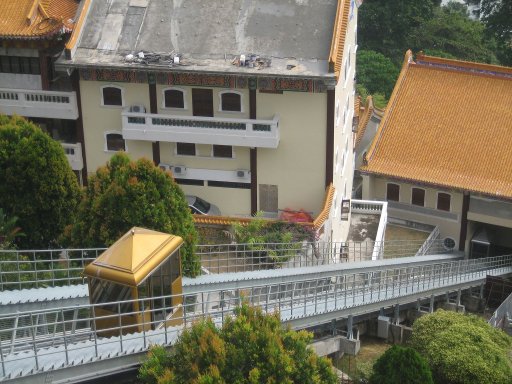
(295, 35)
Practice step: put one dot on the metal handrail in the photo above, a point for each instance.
(35, 330)
(22, 269)
(503, 314)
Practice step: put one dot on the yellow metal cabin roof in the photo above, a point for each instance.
(134, 256)
(448, 123)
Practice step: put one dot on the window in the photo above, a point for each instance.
(223, 151)
(418, 197)
(393, 192)
(187, 149)
(111, 95)
(174, 98)
(230, 101)
(18, 64)
(114, 142)
(443, 201)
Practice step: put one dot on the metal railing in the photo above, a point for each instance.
(226, 258)
(22, 269)
(67, 336)
(431, 239)
(502, 317)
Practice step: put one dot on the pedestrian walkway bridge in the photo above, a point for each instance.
(59, 342)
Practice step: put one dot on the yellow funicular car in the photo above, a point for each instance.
(136, 284)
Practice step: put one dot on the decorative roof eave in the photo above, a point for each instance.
(438, 185)
(324, 213)
(408, 59)
(72, 43)
(465, 66)
(364, 119)
(338, 37)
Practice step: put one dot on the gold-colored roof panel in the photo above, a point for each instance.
(131, 258)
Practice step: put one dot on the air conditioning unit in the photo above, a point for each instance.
(164, 167)
(242, 173)
(179, 170)
(137, 108)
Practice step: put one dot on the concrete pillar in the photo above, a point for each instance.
(350, 324)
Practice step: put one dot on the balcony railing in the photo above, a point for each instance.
(74, 155)
(201, 130)
(46, 104)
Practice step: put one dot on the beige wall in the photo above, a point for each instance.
(98, 119)
(374, 188)
(343, 153)
(297, 166)
(231, 201)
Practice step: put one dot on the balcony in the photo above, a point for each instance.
(74, 154)
(369, 217)
(45, 104)
(201, 130)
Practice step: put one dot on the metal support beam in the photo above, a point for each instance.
(432, 301)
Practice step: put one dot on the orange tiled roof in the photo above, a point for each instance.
(35, 19)
(364, 118)
(339, 34)
(448, 123)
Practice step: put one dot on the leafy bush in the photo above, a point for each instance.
(36, 183)
(401, 365)
(250, 348)
(124, 194)
(270, 241)
(463, 349)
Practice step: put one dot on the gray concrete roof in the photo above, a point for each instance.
(210, 33)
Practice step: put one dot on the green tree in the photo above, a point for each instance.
(463, 349)
(376, 73)
(384, 26)
(451, 33)
(497, 17)
(37, 184)
(401, 365)
(250, 348)
(124, 194)
(9, 230)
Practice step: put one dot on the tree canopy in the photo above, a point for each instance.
(401, 365)
(384, 26)
(124, 194)
(37, 185)
(451, 33)
(250, 348)
(463, 349)
(376, 72)
(497, 17)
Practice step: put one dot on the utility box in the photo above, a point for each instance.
(383, 327)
